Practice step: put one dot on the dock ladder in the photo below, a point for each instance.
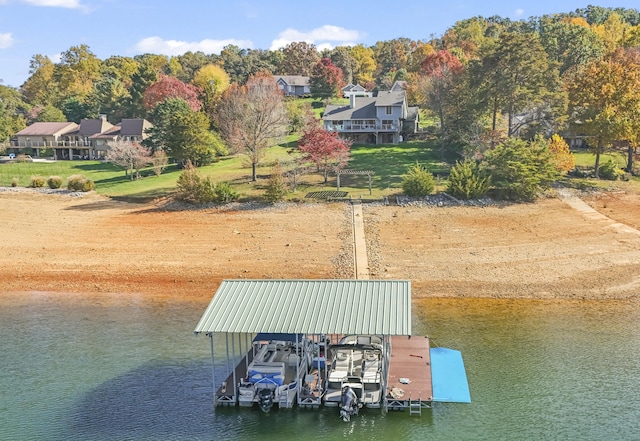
(415, 406)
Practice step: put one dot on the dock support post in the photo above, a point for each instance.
(213, 372)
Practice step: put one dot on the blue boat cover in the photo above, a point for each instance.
(264, 336)
(448, 376)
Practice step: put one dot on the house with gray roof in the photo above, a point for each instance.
(293, 85)
(356, 90)
(383, 119)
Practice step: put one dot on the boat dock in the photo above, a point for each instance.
(409, 380)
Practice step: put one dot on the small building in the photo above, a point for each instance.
(355, 90)
(293, 85)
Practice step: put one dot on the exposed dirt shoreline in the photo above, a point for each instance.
(544, 250)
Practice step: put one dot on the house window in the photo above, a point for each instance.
(388, 110)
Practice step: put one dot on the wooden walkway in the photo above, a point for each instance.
(410, 361)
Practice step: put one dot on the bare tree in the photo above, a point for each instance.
(253, 117)
(129, 155)
(159, 161)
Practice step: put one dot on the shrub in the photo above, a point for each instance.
(37, 182)
(520, 170)
(79, 183)
(14, 182)
(610, 170)
(418, 182)
(225, 194)
(193, 188)
(467, 181)
(54, 182)
(276, 188)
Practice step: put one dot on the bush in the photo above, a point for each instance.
(54, 182)
(276, 188)
(193, 188)
(467, 181)
(520, 170)
(225, 194)
(610, 170)
(14, 182)
(37, 182)
(418, 182)
(79, 183)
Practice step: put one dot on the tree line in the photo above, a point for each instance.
(486, 79)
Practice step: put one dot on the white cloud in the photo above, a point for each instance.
(519, 12)
(71, 4)
(6, 40)
(157, 45)
(325, 36)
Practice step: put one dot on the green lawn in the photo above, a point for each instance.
(388, 162)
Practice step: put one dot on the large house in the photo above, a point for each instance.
(383, 119)
(293, 85)
(88, 140)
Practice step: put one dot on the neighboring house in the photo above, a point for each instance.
(129, 130)
(355, 90)
(89, 140)
(382, 119)
(43, 135)
(293, 85)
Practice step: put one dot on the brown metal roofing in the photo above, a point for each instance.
(48, 129)
(310, 306)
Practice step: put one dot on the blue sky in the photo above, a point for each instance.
(131, 27)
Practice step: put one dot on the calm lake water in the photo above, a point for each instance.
(122, 367)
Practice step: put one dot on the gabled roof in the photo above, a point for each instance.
(353, 88)
(111, 133)
(390, 98)
(134, 126)
(93, 126)
(365, 108)
(48, 129)
(310, 306)
(399, 85)
(293, 80)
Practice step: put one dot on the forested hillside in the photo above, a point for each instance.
(484, 80)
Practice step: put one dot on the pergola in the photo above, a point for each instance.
(368, 173)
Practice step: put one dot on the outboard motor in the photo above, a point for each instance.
(265, 399)
(348, 404)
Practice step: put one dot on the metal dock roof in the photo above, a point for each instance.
(310, 306)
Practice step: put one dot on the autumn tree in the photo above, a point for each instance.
(560, 151)
(169, 87)
(299, 58)
(129, 155)
(326, 79)
(440, 71)
(365, 65)
(40, 87)
(325, 149)
(604, 102)
(212, 80)
(253, 117)
(78, 70)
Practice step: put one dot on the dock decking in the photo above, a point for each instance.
(410, 360)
